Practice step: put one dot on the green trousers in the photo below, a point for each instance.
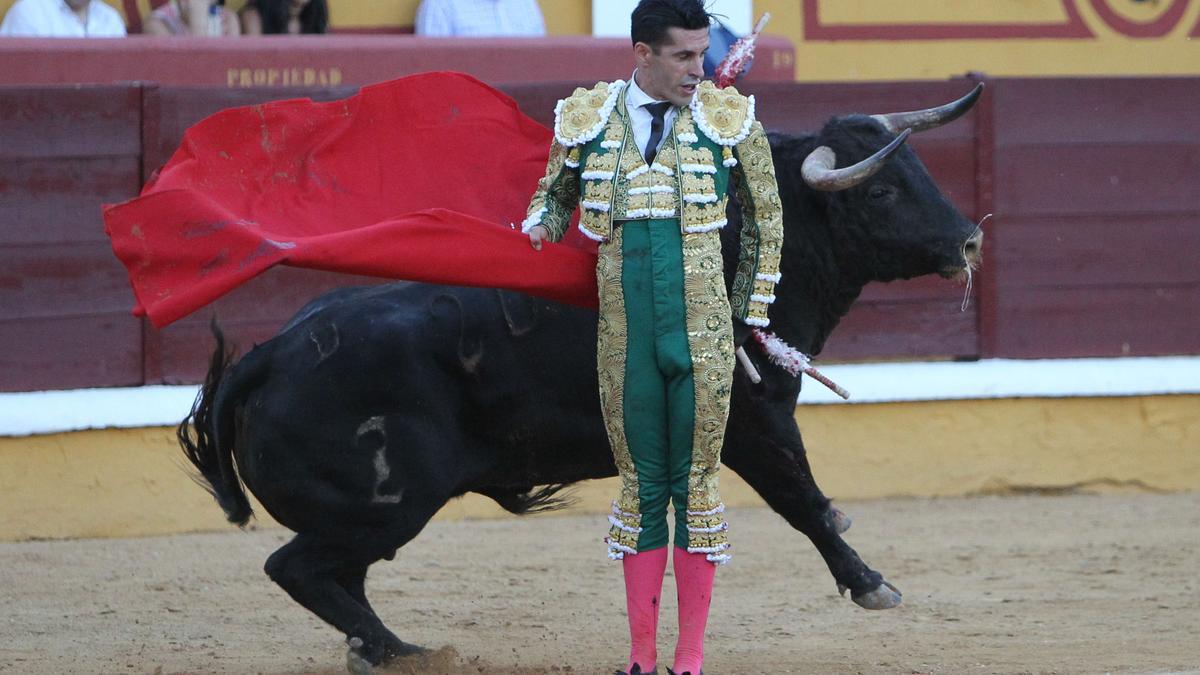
(664, 357)
(659, 387)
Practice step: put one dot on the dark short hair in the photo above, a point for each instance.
(652, 18)
(314, 18)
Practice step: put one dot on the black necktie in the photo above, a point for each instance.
(659, 111)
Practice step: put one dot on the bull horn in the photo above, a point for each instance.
(819, 172)
(920, 120)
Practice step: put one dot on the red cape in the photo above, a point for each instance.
(416, 179)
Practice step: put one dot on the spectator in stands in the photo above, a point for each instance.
(480, 18)
(193, 17)
(62, 18)
(285, 17)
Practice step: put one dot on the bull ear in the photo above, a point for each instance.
(920, 120)
(819, 172)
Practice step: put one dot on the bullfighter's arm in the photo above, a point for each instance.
(762, 229)
(557, 194)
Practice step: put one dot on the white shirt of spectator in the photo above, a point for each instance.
(479, 18)
(640, 118)
(54, 18)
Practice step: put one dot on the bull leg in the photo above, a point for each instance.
(354, 580)
(771, 458)
(805, 485)
(309, 570)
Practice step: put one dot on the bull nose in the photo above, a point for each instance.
(973, 248)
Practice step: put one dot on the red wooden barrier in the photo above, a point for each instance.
(1091, 250)
(1097, 225)
(64, 299)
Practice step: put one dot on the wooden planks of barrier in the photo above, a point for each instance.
(64, 300)
(1097, 220)
(1090, 251)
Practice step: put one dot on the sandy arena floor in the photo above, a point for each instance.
(1064, 584)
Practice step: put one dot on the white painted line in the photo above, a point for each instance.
(50, 412)
(47, 412)
(1007, 378)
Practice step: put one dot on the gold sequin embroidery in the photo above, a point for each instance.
(710, 339)
(762, 229)
(611, 344)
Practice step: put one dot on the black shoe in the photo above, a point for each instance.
(637, 670)
(686, 672)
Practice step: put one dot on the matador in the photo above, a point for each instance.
(650, 163)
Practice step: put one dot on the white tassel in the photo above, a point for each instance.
(716, 528)
(712, 512)
(591, 235)
(615, 522)
(637, 172)
(617, 551)
(706, 227)
(708, 549)
(661, 189)
(532, 220)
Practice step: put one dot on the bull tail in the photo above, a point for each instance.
(206, 437)
(529, 500)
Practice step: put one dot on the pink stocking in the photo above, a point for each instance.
(694, 582)
(643, 586)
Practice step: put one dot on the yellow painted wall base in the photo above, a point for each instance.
(119, 483)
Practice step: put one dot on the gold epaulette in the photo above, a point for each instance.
(581, 116)
(724, 115)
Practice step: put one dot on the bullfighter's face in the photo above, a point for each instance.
(673, 70)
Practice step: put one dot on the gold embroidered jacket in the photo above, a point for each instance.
(596, 165)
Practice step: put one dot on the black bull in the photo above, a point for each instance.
(375, 406)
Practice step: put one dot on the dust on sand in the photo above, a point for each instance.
(1028, 584)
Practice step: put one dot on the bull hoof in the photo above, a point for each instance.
(355, 663)
(839, 520)
(884, 596)
(398, 649)
(361, 657)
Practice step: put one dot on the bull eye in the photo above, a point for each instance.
(880, 192)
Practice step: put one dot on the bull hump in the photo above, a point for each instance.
(581, 116)
(724, 115)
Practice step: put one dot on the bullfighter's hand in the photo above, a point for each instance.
(536, 234)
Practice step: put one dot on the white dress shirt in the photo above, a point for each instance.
(640, 118)
(502, 18)
(53, 18)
